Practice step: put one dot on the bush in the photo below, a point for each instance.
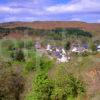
(75, 86)
(66, 87)
(20, 55)
(17, 55)
(30, 66)
(58, 93)
(67, 45)
(84, 54)
(11, 84)
(45, 63)
(92, 46)
(43, 87)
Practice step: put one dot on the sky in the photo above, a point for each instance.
(50, 10)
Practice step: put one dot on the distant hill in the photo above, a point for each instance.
(94, 28)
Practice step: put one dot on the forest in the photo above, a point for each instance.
(54, 33)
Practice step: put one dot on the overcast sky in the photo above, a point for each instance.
(50, 10)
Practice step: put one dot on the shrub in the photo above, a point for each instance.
(84, 54)
(20, 55)
(43, 87)
(92, 46)
(66, 87)
(67, 45)
(45, 63)
(11, 83)
(30, 66)
(75, 86)
(17, 55)
(58, 93)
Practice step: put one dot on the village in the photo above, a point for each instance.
(60, 54)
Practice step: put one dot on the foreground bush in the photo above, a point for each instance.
(66, 87)
(43, 87)
(11, 83)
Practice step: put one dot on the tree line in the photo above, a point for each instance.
(55, 33)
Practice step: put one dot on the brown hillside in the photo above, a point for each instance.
(91, 27)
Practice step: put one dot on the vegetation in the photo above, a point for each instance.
(54, 33)
(62, 88)
(68, 86)
(18, 55)
(27, 74)
(11, 83)
(68, 45)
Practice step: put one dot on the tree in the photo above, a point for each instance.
(20, 55)
(43, 87)
(11, 83)
(67, 86)
(17, 55)
(67, 45)
(75, 86)
(92, 46)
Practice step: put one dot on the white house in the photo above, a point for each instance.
(63, 51)
(49, 48)
(59, 54)
(74, 49)
(57, 50)
(78, 49)
(62, 59)
(98, 48)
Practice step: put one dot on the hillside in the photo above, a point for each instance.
(91, 27)
(49, 61)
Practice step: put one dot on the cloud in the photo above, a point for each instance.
(98, 21)
(76, 19)
(76, 6)
(27, 10)
(41, 7)
(4, 9)
(9, 9)
(34, 7)
(15, 18)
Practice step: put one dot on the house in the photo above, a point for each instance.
(63, 59)
(63, 51)
(49, 48)
(78, 49)
(57, 50)
(57, 54)
(85, 45)
(74, 49)
(98, 48)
